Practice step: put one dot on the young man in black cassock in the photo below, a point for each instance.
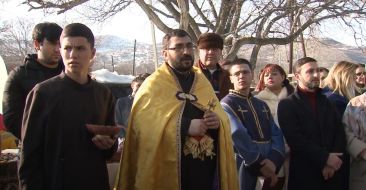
(58, 151)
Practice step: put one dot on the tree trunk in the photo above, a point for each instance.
(254, 55)
(184, 17)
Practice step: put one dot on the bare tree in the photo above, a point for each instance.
(15, 40)
(258, 22)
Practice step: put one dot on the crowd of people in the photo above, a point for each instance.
(189, 125)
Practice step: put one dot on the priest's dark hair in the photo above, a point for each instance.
(174, 33)
(79, 30)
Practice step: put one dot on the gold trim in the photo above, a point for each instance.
(179, 129)
(262, 142)
(256, 118)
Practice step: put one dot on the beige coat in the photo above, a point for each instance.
(272, 100)
(354, 120)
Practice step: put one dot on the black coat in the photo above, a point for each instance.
(20, 82)
(311, 137)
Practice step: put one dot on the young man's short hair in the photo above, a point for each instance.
(240, 61)
(79, 30)
(174, 33)
(301, 62)
(46, 30)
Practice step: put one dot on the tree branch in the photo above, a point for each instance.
(213, 10)
(202, 16)
(61, 5)
(152, 16)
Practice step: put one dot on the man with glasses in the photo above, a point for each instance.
(360, 80)
(210, 47)
(178, 135)
(258, 142)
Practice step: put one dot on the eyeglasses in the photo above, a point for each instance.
(244, 73)
(361, 73)
(180, 48)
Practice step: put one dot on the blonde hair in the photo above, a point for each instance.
(341, 79)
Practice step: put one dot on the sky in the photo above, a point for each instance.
(131, 23)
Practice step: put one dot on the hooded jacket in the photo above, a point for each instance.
(20, 82)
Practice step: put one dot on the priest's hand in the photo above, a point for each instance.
(197, 128)
(103, 142)
(328, 172)
(211, 120)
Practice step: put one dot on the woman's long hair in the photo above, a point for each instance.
(341, 79)
(269, 68)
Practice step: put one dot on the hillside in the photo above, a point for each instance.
(116, 54)
(327, 51)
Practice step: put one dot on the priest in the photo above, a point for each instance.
(178, 135)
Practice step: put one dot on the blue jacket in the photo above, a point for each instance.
(255, 135)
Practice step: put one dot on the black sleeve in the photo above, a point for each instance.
(110, 122)
(339, 141)
(31, 171)
(13, 103)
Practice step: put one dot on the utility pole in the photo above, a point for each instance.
(112, 63)
(134, 58)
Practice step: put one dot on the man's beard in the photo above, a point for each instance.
(312, 85)
(51, 61)
(182, 65)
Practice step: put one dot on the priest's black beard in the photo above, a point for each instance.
(180, 67)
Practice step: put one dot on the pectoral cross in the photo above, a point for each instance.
(211, 104)
(242, 112)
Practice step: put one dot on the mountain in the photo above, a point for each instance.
(327, 51)
(117, 54)
(107, 43)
